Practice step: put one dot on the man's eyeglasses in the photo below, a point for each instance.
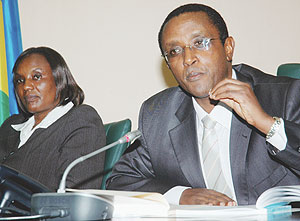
(200, 44)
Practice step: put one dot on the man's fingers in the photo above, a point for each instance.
(230, 89)
(202, 196)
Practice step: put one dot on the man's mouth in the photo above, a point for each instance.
(194, 76)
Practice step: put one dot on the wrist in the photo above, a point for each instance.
(274, 128)
(264, 123)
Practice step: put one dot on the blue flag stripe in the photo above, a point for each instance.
(13, 45)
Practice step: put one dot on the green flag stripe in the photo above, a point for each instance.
(4, 107)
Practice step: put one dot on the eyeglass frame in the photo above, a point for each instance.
(191, 47)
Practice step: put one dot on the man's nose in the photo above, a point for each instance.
(189, 56)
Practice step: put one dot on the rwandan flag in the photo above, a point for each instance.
(10, 49)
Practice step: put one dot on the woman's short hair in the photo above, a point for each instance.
(66, 87)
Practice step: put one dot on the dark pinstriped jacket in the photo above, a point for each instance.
(49, 151)
(168, 152)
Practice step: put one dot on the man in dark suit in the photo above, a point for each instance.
(256, 121)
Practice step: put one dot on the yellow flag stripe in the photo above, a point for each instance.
(3, 67)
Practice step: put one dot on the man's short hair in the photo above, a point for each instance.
(212, 14)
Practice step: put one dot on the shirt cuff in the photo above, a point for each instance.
(279, 139)
(173, 195)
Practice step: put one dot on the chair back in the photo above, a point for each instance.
(114, 131)
(289, 70)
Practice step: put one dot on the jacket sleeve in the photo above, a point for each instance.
(290, 157)
(134, 171)
(84, 134)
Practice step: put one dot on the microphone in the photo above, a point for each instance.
(126, 139)
(77, 206)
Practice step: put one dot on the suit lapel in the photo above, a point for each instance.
(13, 136)
(10, 145)
(239, 141)
(184, 140)
(14, 140)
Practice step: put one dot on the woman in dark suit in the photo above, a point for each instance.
(54, 127)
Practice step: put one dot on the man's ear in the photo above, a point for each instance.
(229, 48)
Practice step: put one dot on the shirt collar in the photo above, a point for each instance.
(51, 117)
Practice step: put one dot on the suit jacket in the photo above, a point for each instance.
(48, 152)
(167, 154)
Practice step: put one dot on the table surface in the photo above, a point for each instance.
(293, 217)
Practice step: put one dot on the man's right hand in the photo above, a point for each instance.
(203, 196)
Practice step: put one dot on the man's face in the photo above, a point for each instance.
(199, 67)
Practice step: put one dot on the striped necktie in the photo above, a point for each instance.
(211, 159)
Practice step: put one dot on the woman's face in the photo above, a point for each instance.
(35, 86)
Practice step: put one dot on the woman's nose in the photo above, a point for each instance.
(28, 85)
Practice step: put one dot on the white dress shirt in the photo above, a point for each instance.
(26, 129)
(222, 114)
